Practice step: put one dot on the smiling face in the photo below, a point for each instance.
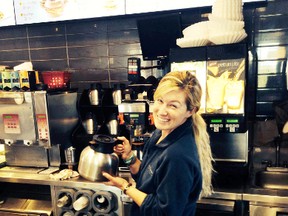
(170, 111)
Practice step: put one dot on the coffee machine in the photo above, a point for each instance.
(134, 116)
(36, 126)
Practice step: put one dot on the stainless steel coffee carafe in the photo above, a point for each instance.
(117, 95)
(112, 125)
(94, 93)
(98, 157)
(90, 123)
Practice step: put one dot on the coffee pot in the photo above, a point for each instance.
(97, 157)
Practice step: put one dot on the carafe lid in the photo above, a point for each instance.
(101, 138)
(103, 143)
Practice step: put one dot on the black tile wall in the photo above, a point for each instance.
(91, 38)
(270, 41)
(96, 50)
(12, 44)
(13, 33)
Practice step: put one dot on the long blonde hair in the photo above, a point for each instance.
(191, 86)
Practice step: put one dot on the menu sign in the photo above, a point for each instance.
(144, 6)
(7, 17)
(37, 11)
(140, 6)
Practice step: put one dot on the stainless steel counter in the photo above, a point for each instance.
(271, 199)
(31, 177)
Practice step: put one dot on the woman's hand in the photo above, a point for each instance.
(137, 196)
(115, 181)
(124, 149)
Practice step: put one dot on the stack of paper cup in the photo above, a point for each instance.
(194, 35)
(225, 26)
(228, 10)
(226, 23)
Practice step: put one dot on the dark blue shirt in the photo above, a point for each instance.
(170, 174)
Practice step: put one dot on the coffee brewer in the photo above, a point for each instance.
(134, 115)
(36, 126)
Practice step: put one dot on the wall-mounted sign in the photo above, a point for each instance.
(37, 11)
(140, 6)
(7, 17)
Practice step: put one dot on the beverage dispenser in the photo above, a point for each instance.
(36, 126)
(221, 71)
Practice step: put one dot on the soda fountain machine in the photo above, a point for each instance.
(221, 71)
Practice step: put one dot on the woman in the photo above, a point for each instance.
(177, 163)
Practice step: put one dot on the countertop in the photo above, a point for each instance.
(37, 176)
(33, 176)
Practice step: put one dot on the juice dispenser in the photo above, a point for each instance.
(221, 71)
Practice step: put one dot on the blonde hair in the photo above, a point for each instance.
(187, 82)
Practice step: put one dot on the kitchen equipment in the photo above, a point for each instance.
(117, 94)
(128, 94)
(95, 93)
(134, 116)
(158, 34)
(91, 198)
(112, 124)
(70, 157)
(98, 157)
(223, 82)
(273, 205)
(37, 126)
(227, 205)
(90, 123)
(56, 79)
(134, 67)
(221, 71)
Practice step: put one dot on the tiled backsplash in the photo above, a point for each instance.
(97, 49)
(270, 43)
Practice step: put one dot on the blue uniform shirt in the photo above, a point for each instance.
(170, 174)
